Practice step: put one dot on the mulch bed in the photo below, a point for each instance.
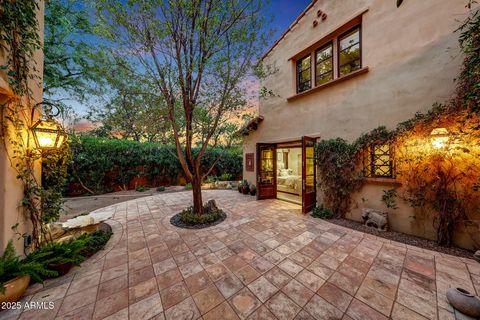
(403, 238)
(175, 220)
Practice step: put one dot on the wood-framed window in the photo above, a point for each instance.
(378, 161)
(349, 51)
(304, 74)
(324, 64)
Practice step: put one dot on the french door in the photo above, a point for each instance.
(309, 194)
(266, 172)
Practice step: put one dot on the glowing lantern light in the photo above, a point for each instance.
(439, 137)
(48, 134)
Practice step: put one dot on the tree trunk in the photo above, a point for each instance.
(197, 193)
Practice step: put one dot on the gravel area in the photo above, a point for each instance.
(404, 238)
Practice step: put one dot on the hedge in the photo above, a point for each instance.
(104, 165)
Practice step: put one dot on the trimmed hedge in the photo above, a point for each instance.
(105, 165)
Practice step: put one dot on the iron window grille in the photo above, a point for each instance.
(378, 161)
(304, 75)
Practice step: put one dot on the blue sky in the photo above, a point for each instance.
(284, 12)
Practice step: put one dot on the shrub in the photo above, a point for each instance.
(188, 186)
(187, 216)
(93, 242)
(99, 164)
(141, 189)
(160, 189)
(226, 177)
(322, 212)
(12, 266)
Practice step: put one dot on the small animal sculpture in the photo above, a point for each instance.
(375, 219)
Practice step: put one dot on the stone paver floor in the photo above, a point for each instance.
(265, 261)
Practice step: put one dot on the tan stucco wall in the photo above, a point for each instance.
(11, 191)
(413, 57)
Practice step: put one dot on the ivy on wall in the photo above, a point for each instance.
(19, 41)
(444, 181)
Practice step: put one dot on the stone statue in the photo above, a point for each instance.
(375, 219)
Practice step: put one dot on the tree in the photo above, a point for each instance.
(129, 109)
(197, 52)
(68, 50)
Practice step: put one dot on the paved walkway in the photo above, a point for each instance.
(266, 261)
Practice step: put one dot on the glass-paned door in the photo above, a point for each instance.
(266, 178)
(308, 174)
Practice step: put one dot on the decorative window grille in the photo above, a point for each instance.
(378, 161)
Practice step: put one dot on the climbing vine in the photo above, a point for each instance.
(19, 42)
(444, 181)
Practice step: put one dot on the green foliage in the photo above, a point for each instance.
(226, 177)
(322, 212)
(389, 198)
(12, 266)
(20, 39)
(69, 49)
(58, 253)
(93, 242)
(160, 189)
(141, 189)
(74, 251)
(54, 181)
(188, 216)
(100, 163)
(188, 186)
(338, 176)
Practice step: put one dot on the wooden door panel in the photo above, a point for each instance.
(266, 171)
(309, 193)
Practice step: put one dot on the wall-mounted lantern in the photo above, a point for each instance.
(48, 134)
(439, 137)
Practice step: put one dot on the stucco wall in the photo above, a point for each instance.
(413, 57)
(11, 190)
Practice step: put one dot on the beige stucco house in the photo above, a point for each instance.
(11, 189)
(342, 69)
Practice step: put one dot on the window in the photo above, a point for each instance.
(304, 74)
(378, 161)
(324, 64)
(349, 52)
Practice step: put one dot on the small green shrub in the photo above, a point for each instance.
(12, 266)
(93, 242)
(322, 212)
(161, 189)
(226, 177)
(141, 189)
(188, 186)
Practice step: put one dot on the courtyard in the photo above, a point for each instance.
(265, 261)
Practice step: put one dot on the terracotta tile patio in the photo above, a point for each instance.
(266, 261)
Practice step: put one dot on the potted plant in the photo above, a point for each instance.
(245, 187)
(59, 257)
(240, 184)
(15, 274)
(253, 189)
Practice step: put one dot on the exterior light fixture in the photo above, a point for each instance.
(439, 137)
(48, 134)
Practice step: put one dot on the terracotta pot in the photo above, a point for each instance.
(15, 288)
(464, 301)
(61, 268)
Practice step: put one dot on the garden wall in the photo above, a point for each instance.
(106, 165)
(406, 219)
